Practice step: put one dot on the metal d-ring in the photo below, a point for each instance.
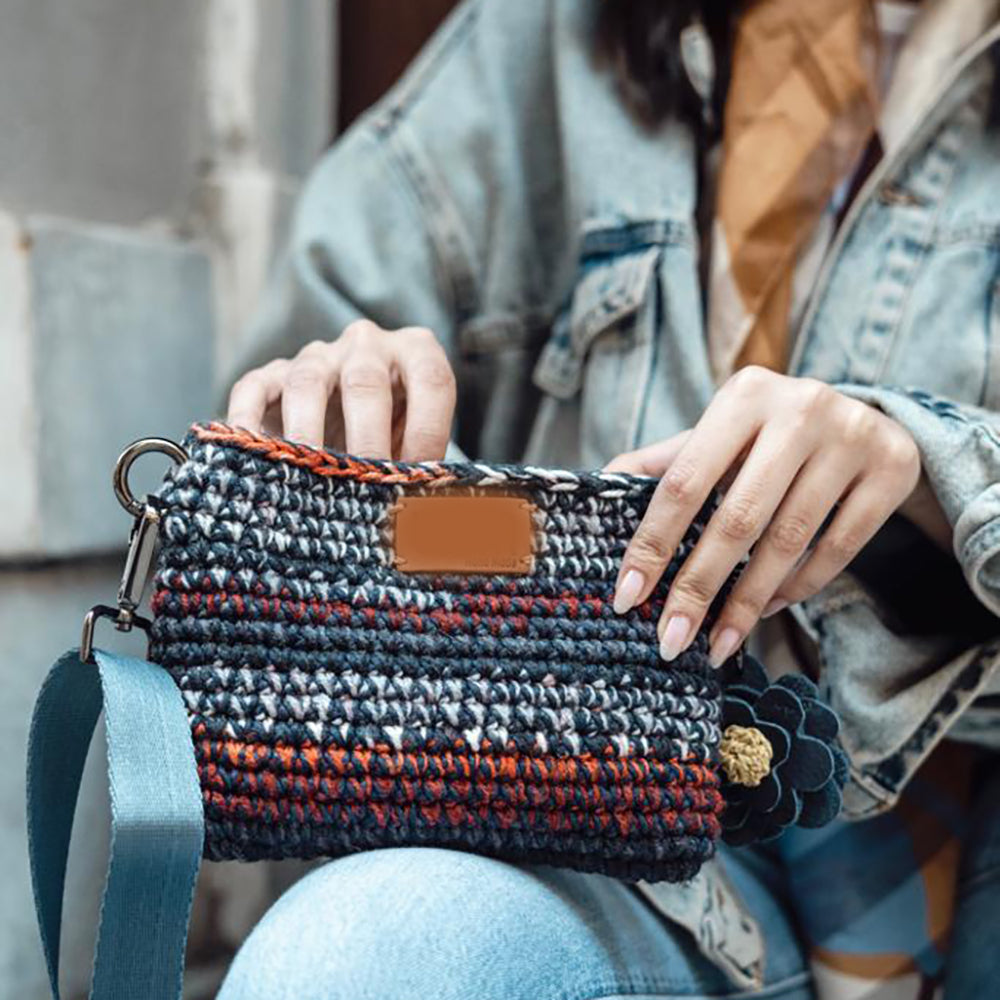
(124, 619)
(119, 478)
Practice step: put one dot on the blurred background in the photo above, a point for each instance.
(150, 158)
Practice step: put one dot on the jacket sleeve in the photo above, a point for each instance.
(361, 244)
(425, 212)
(960, 452)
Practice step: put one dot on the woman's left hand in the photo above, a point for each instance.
(796, 449)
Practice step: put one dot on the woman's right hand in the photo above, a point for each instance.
(371, 392)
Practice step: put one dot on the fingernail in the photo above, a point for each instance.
(773, 606)
(724, 646)
(628, 591)
(674, 636)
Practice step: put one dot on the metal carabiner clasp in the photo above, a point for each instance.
(141, 546)
(124, 621)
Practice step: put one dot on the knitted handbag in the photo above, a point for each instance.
(375, 653)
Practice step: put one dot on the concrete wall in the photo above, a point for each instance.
(149, 156)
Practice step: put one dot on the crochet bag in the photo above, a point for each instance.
(343, 697)
(373, 654)
(339, 700)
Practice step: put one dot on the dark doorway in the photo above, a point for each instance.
(377, 39)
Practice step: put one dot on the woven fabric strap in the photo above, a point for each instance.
(157, 826)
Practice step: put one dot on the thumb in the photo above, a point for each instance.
(653, 460)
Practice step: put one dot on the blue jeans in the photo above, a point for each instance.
(973, 957)
(433, 924)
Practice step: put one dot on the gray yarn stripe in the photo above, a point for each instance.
(414, 712)
(549, 693)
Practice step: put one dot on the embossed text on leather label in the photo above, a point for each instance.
(463, 533)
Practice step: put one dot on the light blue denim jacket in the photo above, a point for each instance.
(504, 196)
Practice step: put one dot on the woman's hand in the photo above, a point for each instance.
(795, 449)
(371, 392)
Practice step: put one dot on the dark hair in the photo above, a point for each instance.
(643, 38)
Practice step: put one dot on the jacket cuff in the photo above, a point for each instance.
(960, 452)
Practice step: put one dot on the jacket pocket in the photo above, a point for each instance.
(632, 290)
(603, 314)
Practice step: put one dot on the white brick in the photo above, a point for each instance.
(20, 525)
(117, 344)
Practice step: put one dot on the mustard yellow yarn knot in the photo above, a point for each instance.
(746, 755)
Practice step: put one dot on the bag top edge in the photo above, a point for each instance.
(326, 463)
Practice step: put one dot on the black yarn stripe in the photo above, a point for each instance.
(210, 639)
(690, 677)
(675, 858)
(646, 834)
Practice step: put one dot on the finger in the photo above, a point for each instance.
(744, 512)
(702, 460)
(863, 511)
(430, 394)
(366, 398)
(252, 394)
(817, 488)
(653, 460)
(306, 393)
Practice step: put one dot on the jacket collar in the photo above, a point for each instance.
(943, 32)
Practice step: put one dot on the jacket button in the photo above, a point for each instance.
(896, 194)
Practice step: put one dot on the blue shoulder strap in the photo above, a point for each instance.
(157, 824)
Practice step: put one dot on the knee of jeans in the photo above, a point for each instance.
(395, 923)
(981, 850)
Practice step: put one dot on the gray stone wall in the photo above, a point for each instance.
(149, 155)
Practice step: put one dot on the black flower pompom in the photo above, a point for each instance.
(800, 780)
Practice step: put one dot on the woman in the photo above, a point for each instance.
(703, 241)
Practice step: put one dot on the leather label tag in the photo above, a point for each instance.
(463, 533)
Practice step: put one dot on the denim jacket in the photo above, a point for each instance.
(504, 196)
